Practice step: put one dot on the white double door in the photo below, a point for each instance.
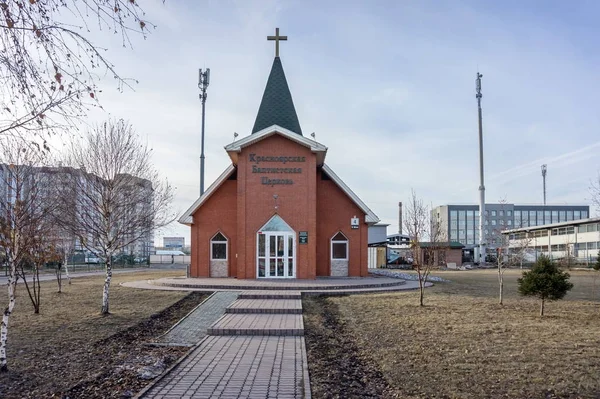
(276, 254)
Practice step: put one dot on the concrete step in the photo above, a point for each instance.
(220, 284)
(258, 324)
(256, 294)
(281, 306)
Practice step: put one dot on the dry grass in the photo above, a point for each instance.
(55, 349)
(76, 311)
(464, 345)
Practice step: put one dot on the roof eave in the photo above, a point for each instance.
(187, 217)
(370, 217)
(234, 148)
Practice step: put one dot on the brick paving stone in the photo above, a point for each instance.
(256, 294)
(239, 367)
(258, 324)
(288, 306)
(191, 329)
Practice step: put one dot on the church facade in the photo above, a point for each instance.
(278, 211)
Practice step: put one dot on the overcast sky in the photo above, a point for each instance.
(388, 86)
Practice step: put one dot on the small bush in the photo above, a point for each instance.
(545, 281)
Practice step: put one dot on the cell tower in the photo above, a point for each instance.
(203, 81)
(482, 237)
(544, 170)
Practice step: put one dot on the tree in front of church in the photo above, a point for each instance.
(116, 193)
(50, 66)
(420, 223)
(545, 281)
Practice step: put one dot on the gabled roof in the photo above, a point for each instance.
(370, 217)
(187, 218)
(277, 106)
(234, 148)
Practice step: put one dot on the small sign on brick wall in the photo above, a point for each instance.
(354, 222)
(303, 237)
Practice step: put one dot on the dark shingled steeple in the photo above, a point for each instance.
(277, 106)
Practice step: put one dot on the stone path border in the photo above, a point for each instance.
(193, 327)
(332, 291)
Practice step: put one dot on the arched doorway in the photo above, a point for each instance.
(276, 250)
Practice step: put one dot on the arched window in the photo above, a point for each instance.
(339, 247)
(218, 247)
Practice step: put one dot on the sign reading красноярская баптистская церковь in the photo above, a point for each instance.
(257, 159)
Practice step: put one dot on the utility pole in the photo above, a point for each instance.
(203, 80)
(482, 241)
(399, 219)
(544, 169)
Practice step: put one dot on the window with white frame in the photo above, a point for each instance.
(218, 247)
(339, 247)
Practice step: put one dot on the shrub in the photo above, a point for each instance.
(545, 281)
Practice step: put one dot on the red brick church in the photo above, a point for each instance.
(278, 211)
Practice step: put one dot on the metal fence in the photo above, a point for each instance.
(165, 259)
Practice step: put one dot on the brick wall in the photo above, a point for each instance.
(216, 214)
(296, 202)
(334, 211)
(239, 208)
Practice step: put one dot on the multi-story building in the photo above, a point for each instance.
(49, 182)
(461, 222)
(576, 240)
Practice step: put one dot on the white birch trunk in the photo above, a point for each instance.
(67, 269)
(7, 312)
(421, 288)
(105, 308)
(501, 290)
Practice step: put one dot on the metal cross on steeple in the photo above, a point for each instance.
(277, 38)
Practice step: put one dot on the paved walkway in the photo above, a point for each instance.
(192, 328)
(255, 350)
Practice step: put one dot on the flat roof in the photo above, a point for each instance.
(553, 225)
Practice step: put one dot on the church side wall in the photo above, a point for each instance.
(334, 211)
(218, 213)
(295, 201)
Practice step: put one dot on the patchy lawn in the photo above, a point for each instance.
(464, 345)
(69, 349)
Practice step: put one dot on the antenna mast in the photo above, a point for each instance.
(544, 169)
(482, 238)
(203, 81)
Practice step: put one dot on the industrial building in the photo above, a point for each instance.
(460, 223)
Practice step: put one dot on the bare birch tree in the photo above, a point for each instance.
(49, 65)
(419, 223)
(117, 194)
(22, 212)
(508, 253)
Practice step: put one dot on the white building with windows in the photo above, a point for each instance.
(577, 239)
(461, 222)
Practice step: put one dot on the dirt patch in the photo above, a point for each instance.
(337, 366)
(69, 350)
(464, 345)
